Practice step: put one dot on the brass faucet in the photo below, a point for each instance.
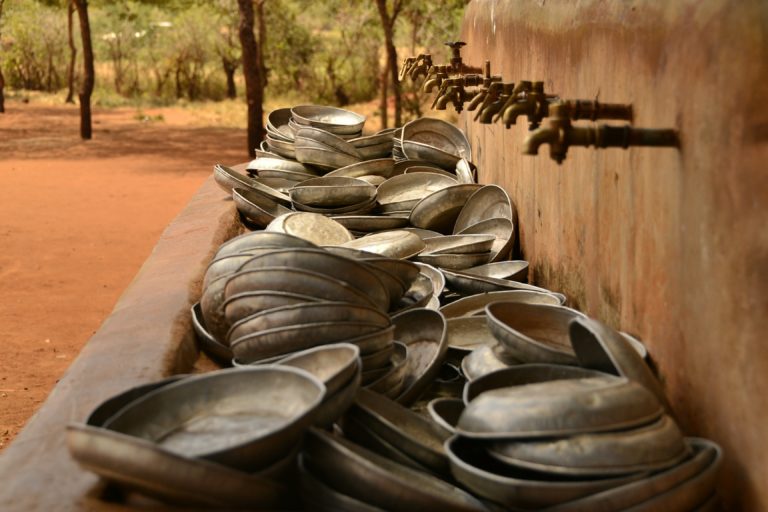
(560, 134)
(492, 108)
(457, 65)
(523, 88)
(435, 77)
(535, 106)
(479, 96)
(416, 66)
(454, 90)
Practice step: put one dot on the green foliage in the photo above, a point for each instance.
(160, 51)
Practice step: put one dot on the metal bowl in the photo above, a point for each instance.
(559, 408)
(468, 333)
(369, 477)
(283, 340)
(424, 333)
(485, 360)
(458, 244)
(488, 202)
(465, 171)
(418, 295)
(229, 264)
(332, 192)
(310, 136)
(260, 240)
(204, 416)
(475, 304)
(352, 272)
(334, 365)
(371, 223)
(465, 283)
(245, 304)
(334, 406)
(278, 120)
(410, 433)
(327, 159)
(143, 465)
(281, 146)
(306, 313)
(397, 244)
(445, 413)
(502, 229)
(332, 119)
(217, 351)
(653, 447)
(292, 177)
(418, 151)
(212, 308)
(489, 478)
(391, 380)
(279, 184)
(533, 333)
(313, 227)
(437, 134)
(514, 270)
(598, 346)
(435, 170)
(378, 359)
(109, 407)
(439, 210)
(293, 280)
(455, 261)
(378, 167)
(257, 207)
(227, 178)
(434, 275)
(523, 374)
(264, 163)
(409, 189)
(319, 496)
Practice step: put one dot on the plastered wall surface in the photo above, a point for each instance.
(669, 245)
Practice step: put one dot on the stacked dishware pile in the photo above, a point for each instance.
(432, 140)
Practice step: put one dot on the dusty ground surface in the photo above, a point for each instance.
(77, 220)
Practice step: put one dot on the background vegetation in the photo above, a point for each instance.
(162, 52)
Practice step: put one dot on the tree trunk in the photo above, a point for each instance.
(2, 78)
(261, 23)
(72, 54)
(254, 85)
(383, 99)
(86, 88)
(229, 69)
(388, 24)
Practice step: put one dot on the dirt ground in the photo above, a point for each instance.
(77, 220)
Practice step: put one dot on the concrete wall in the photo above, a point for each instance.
(669, 245)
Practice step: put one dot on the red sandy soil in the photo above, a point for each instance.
(78, 219)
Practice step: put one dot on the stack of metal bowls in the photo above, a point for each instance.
(433, 140)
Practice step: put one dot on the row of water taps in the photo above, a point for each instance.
(493, 99)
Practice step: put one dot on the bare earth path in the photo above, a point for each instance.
(77, 220)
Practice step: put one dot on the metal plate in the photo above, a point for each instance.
(392, 244)
(439, 210)
(488, 202)
(485, 360)
(317, 495)
(502, 229)
(335, 120)
(312, 227)
(514, 270)
(445, 413)
(437, 134)
(378, 167)
(468, 333)
(371, 223)
(259, 240)
(218, 352)
(465, 283)
(458, 244)
(332, 192)
(451, 261)
(246, 304)
(257, 207)
(475, 304)
(434, 275)
(411, 188)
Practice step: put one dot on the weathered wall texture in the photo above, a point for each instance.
(671, 246)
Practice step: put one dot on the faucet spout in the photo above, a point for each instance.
(516, 110)
(442, 101)
(430, 84)
(542, 135)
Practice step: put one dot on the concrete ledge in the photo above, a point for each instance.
(146, 337)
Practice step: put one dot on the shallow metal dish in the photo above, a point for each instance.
(281, 185)
(418, 295)
(378, 359)
(332, 192)
(204, 416)
(502, 229)
(375, 341)
(334, 406)
(485, 360)
(227, 178)
(445, 413)
(361, 208)
(488, 202)
(327, 159)
(259, 240)
(378, 167)
(367, 476)
(335, 120)
(292, 338)
(371, 223)
(319, 496)
(306, 313)
(357, 432)
(418, 151)
(435, 170)
(559, 408)
(278, 120)
(228, 264)
(467, 333)
(533, 333)
(412, 434)
(212, 309)
(437, 134)
(462, 282)
(653, 447)
(458, 244)
(491, 479)
(396, 244)
(246, 304)
(280, 146)
(352, 272)
(391, 379)
(424, 333)
(522, 375)
(403, 165)
(438, 211)
(261, 163)
(286, 177)
(313, 227)
(257, 207)
(706, 457)
(217, 351)
(452, 261)
(465, 171)
(434, 275)
(109, 407)
(422, 233)
(143, 465)
(475, 304)
(294, 280)
(514, 270)
(410, 188)
(598, 346)
(310, 136)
